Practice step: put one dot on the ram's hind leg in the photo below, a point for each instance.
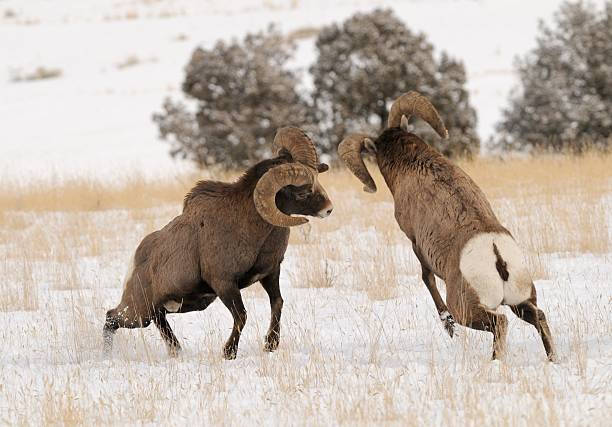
(172, 343)
(486, 320)
(530, 313)
(108, 332)
(123, 316)
(470, 313)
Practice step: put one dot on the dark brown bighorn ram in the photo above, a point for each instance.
(229, 236)
(454, 232)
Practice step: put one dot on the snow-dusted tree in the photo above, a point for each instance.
(243, 93)
(370, 59)
(565, 97)
(452, 100)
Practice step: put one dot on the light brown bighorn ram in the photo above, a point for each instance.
(229, 236)
(454, 232)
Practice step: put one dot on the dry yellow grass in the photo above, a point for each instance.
(551, 204)
(588, 177)
(19, 290)
(84, 194)
(361, 343)
(546, 174)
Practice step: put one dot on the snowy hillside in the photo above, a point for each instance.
(119, 59)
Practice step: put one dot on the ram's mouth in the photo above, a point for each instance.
(325, 212)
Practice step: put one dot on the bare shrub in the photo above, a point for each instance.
(181, 37)
(130, 61)
(39, 73)
(303, 33)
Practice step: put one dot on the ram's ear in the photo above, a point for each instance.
(322, 167)
(404, 123)
(369, 145)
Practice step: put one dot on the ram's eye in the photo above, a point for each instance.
(302, 195)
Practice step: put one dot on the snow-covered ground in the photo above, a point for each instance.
(361, 342)
(96, 117)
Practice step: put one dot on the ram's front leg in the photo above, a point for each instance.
(229, 294)
(430, 282)
(271, 284)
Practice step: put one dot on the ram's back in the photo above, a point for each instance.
(440, 207)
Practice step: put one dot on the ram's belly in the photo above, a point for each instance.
(192, 302)
(478, 266)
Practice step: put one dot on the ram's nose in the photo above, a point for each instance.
(325, 212)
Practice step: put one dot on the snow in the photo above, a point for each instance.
(95, 119)
(347, 356)
(344, 356)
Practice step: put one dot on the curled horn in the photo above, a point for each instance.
(299, 145)
(414, 103)
(350, 150)
(270, 183)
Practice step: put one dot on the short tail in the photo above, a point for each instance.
(500, 264)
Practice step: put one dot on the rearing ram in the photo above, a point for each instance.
(454, 232)
(229, 236)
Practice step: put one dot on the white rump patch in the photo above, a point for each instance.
(477, 265)
(172, 306)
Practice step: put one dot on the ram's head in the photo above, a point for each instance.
(292, 187)
(411, 103)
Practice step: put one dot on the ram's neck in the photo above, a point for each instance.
(389, 172)
(400, 153)
(250, 218)
(394, 165)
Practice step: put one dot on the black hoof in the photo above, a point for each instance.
(229, 353)
(449, 323)
(271, 344)
(174, 351)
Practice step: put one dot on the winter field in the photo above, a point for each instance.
(361, 341)
(84, 178)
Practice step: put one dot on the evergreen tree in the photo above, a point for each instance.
(452, 101)
(243, 92)
(565, 97)
(372, 58)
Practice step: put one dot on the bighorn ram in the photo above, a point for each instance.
(454, 232)
(229, 236)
